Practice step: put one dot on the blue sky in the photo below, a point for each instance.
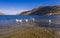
(11, 7)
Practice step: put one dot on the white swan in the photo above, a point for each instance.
(26, 20)
(49, 21)
(18, 20)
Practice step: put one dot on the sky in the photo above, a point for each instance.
(12, 7)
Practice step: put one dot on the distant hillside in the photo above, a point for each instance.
(1, 13)
(43, 10)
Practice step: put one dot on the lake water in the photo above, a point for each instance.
(8, 17)
(44, 19)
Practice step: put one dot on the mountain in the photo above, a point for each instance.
(43, 10)
(1, 13)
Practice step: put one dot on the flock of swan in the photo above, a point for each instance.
(26, 20)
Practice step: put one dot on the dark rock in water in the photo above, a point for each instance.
(43, 10)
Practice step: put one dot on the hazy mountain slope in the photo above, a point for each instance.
(43, 10)
(1, 13)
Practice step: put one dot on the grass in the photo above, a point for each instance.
(30, 32)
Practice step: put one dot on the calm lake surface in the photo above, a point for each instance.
(44, 19)
(9, 17)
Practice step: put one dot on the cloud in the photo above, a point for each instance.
(11, 11)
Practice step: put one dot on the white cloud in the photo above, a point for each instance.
(11, 11)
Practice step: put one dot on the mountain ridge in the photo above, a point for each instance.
(43, 10)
